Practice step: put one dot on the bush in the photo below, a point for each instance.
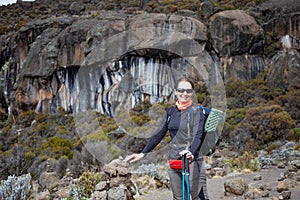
(83, 161)
(15, 161)
(86, 184)
(62, 166)
(26, 118)
(296, 134)
(56, 147)
(233, 118)
(15, 187)
(245, 161)
(261, 126)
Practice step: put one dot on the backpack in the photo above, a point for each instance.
(210, 137)
(212, 119)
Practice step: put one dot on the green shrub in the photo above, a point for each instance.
(5, 29)
(115, 153)
(60, 130)
(29, 155)
(26, 118)
(263, 124)
(87, 182)
(42, 129)
(21, 24)
(95, 136)
(296, 134)
(245, 161)
(56, 147)
(189, 5)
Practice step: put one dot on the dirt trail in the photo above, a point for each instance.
(216, 187)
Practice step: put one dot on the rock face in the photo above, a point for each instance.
(235, 33)
(98, 63)
(285, 72)
(279, 17)
(238, 40)
(104, 59)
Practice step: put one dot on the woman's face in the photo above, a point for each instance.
(184, 91)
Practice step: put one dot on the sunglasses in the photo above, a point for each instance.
(181, 90)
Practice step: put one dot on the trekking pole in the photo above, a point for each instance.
(183, 176)
(187, 177)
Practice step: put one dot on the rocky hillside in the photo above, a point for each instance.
(83, 82)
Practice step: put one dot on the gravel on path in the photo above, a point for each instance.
(216, 187)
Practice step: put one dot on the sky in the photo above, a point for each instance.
(6, 2)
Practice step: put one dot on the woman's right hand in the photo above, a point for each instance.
(134, 157)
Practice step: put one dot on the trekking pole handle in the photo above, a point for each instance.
(187, 154)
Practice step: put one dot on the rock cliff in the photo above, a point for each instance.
(99, 59)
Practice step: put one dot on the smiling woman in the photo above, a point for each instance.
(184, 146)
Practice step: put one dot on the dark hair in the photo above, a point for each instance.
(184, 79)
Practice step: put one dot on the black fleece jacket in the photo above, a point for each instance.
(177, 123)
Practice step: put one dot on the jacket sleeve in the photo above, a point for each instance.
(158, 135)
(197, 128)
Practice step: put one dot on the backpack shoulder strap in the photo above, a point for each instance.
(205, 110)
(169, 113)
(191, 119)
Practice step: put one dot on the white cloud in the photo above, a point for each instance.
(6, 2)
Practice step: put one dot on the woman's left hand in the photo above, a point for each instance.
(187, 153)
(134, 157)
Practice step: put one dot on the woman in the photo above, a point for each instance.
(186, 140)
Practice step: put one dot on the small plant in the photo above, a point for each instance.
(21, 24)
(271, 148)
(26, 118)
(58, 147)
(296, 134)
(15, 187)
(86, 184)
(245, 161)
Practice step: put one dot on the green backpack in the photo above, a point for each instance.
(210, 137)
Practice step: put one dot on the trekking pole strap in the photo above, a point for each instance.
(187, 177)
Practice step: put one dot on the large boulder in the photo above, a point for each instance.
(238, 40)
(234, 32)
(285, 71)
(236, 186)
